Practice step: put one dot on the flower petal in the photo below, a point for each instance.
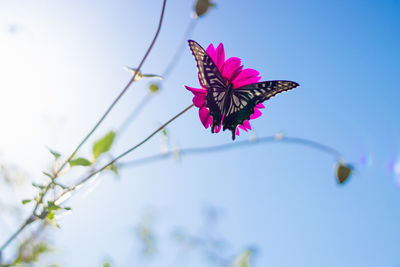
(257, 113)
(205, 117)
(237, 131)
(231, 68)
(220, 56)
(217, 128)
(242, 127)
(261, 105)
(246, 124)
(198, 101)
(211, 52)
(197, 91)
(245, 77)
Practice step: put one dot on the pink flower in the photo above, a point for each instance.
(232, 71)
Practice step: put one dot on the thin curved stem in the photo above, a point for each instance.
(134, 113)
(33, 217)
(61, 198)
(178, 53)
(168, 70)
(122, 92)
(19, 230)
(208, 149)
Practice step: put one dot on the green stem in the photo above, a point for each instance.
(61, 199)
(237, 144)
(19, 230)
(178, 53)
(168, 70)
(33, 217)
(120, 95)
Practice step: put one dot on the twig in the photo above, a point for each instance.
(168, 70)
(13, 236)
(135, 112)
(122, 92)
(67, 192)
(208, 149)
(178, 53)
(33, 216)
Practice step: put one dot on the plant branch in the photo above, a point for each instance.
(33, 216)
(178, 53)
(168, 70)
(19, 230)
(238, 144)
(121, 94)
(135, 112)
(67, 192)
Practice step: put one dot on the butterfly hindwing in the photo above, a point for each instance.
(245, 98)
(211, 79)
(225, 103)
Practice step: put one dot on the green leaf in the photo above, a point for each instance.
(243, 259)
(154, 76)
(202, 7)
(164, 132)
(54, 153)
(103, 145)
(38, 186)
(48, 175)
(133, 70)
(114, 169)
(67, 208)
(343, 172)
(26, 201)
(107, 264)
(80, 162)
(154, 88)
(50, 215)
(51, 206)
(61, 185)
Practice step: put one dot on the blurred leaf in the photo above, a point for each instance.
(26, 201)
(140, 75)
(114, 169)
(154, 88)
(80, 162)
(201, 7)
(51, 206)
(243, 259)
(54, 153)
(61, 185)
(343, 172)
(50, 215)
(133, 70)
(164, 132)
(67, 208)
(107, 264)
(38, 186)
(103, 145)
(152, 76)
(29, 252)
(48, 175)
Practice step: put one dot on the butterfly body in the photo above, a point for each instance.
(230, 106)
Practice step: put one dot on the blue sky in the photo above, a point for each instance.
(64, 65)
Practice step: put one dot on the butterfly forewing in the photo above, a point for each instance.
(211, 79)
(234, 106)
(245, 98)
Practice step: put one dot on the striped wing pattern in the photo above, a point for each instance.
(231, 106)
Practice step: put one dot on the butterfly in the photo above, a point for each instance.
(231, 106)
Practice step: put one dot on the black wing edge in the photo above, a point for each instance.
(233, 127)
(211, 107)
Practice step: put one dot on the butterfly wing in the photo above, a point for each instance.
(244, 99)
(211, 79)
